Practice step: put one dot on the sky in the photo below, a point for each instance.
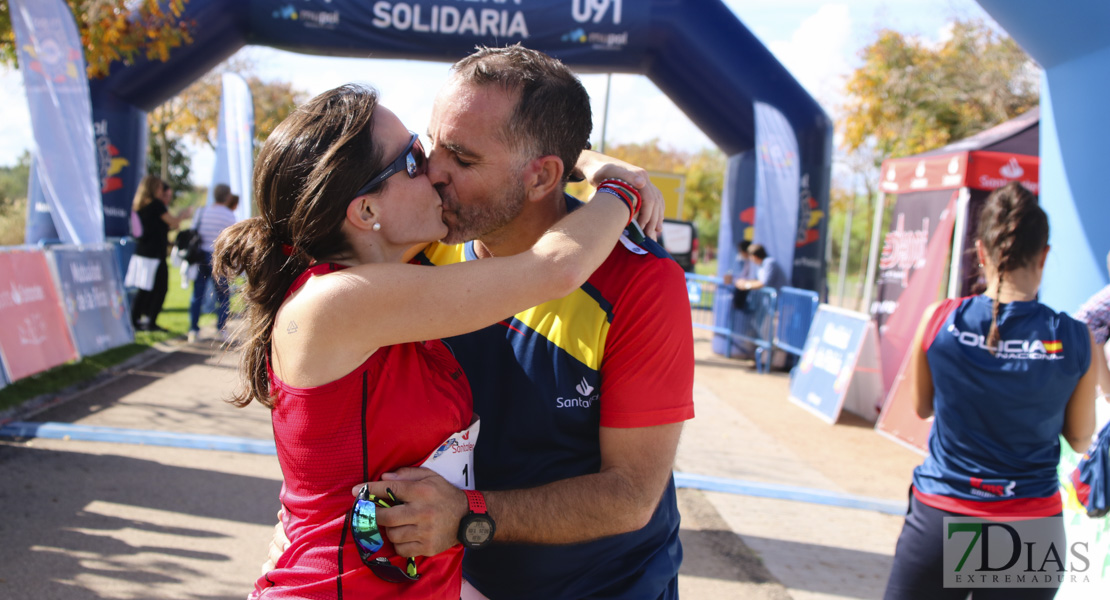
(817, 41)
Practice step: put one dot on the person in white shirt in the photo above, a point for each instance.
(209, 222)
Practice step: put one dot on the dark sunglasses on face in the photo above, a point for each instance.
(411, 161)
(368, 538)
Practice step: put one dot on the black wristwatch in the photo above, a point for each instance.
(476, 529)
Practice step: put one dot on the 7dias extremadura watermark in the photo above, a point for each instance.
(980, 553)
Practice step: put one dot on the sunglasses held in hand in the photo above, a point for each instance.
(368, 538)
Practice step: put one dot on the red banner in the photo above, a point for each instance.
(35, 336)
(898, 418)
(978, 170)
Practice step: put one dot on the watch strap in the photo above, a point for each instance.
(476, 501)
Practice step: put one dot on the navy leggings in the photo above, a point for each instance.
(919, 562)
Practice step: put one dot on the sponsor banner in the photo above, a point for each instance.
(898, 419)
(121, 138)
(34, 336)
(809, 263)
(235, 143)
(52, 62)
(923, 289)
(977, 169)
(839, 367)
(40, 224)
(777, 177)
(913, 225)
(992, 170)
(572, 30)
(92, 294)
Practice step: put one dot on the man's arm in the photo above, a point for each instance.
(636, 465)
(646, 393)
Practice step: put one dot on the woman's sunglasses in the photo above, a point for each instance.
(368, 538)
(411, 160)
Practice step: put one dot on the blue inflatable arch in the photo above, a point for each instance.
(695, 51)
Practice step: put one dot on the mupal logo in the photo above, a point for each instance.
(312, 19)
(586, 397)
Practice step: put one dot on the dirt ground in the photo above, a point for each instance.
(850, 453)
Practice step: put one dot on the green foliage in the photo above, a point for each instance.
(909, 96)
(178, 164)
(13, 200)
(194, 113)
(13, 180)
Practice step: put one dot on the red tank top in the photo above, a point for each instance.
(392, 411)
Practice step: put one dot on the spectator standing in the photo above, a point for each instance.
(1005, 377)
(209, 223)
(147, 270)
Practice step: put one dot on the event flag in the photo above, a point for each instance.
(52, 62)
(777, 180)
(234, 143)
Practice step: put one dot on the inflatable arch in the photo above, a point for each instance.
(1073, 47)
(695, 51)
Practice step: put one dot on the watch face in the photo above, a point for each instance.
(478, 531)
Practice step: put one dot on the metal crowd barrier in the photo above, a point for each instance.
(769, 320)
(796, 311)
(755, 325)
(704, 293)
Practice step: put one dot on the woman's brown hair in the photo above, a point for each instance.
(307, 172)
(149, 189)
(1013, 231)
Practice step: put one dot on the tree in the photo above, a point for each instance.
(115, 30)
(13, 180)
(909, 96)
(195, 112)
(170, 162)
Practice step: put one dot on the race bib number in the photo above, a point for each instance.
(454, 458)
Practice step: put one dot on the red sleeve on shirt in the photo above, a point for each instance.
(647, 371)
(940, 315)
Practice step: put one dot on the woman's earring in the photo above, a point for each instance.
(980, 265)
(377, 227)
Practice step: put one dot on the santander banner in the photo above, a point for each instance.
(976, 169)
(34, 336)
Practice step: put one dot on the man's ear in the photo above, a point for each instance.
(542, 176)
(362, 213)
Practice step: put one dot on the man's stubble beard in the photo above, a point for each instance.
(476, 221)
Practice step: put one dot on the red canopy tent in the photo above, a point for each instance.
(940, 193)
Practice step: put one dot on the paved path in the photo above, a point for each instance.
(110, 520)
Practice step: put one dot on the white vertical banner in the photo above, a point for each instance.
(777, 183)
(235, 143)
(52, 61)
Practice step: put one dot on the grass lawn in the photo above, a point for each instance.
(174, 317)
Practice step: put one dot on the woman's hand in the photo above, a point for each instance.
(598, 167)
